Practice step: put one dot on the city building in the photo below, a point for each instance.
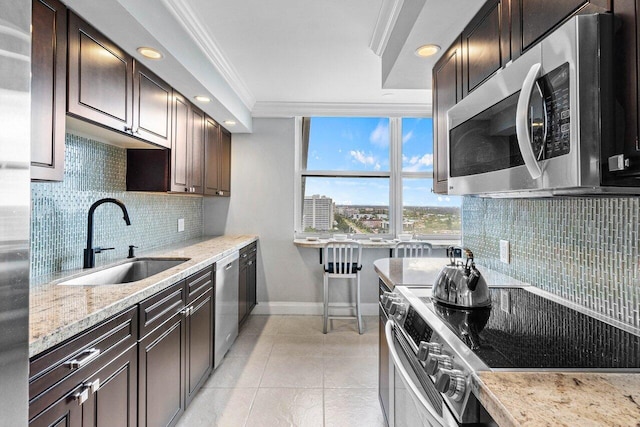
(317, 213)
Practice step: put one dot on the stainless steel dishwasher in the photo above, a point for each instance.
(226, 315)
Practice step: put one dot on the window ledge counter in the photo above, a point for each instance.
(58, 312)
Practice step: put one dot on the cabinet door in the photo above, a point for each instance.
(224, 181)
(181, 139)
(199, 343)
(100, 78)
(211, 154)
(66, 412)
(196, 153)
(484, 42)
(242, 293)
(152, 107)
(48, 89)
(532, 19)
(251, 284)
(447, 91)
(114, 403)
(161, 364)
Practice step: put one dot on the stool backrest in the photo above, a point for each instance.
(412, 249)
(342, 257)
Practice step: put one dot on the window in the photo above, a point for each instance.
(370, 176)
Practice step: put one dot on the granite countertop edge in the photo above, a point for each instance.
(57, 313)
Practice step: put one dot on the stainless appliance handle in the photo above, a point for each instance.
(522, 128)
(388, 331)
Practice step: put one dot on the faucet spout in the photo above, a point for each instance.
(90, 251)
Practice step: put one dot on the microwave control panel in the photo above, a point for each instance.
(550, 114)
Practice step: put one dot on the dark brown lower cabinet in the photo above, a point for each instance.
(162, 367)
(247, 281)
(90, 380)
(106, 376)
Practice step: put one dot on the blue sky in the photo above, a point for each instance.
(362, 144)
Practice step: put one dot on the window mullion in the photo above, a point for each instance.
(395, 186)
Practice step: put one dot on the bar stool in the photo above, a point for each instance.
(342, 260)
(412, 249)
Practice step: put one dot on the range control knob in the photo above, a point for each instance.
(398, 309)
(428, 348)
(390, 300)
(435, 362)
(385, 297)
(451, 382)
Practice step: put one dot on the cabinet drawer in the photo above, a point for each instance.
(248, 253)
(56, 371)
(161, 307)
(199, 283)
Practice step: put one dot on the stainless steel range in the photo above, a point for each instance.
(434, 349)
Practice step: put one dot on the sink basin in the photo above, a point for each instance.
(132, 271)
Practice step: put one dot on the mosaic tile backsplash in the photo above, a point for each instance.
(93, 171)
(582, 249)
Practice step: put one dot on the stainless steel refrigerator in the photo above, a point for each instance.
(15, 70)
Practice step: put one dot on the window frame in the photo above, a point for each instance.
(395, 174)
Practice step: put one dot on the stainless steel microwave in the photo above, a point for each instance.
(540, 126)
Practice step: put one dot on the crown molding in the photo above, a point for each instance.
(293, 109)
(189, 20)
(389, 11)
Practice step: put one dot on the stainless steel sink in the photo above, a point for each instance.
(132, 271)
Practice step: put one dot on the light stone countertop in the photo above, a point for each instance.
(551, 398)
(423, 272)
(60, 312)
(560, 398)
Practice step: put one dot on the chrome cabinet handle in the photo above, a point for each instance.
(250, 263)
(89, 355)
(228, 267)
(82, 395)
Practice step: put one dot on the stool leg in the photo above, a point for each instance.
(326, 302)
(358, 304)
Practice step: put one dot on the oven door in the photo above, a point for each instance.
(414, 402)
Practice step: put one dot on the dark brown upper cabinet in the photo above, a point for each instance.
(485, 44)
(224, 181)
(447, 91)
(100, 85)
(181, 140)
(532, 19)
(217, 169)
(627, 90)
(211, 149)
(196, 153)
(107, 87)
(152, 107)
(48, 89)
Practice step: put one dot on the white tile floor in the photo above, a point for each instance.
(283, 371)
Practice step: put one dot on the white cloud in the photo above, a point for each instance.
(361, 157)
(377, 166)
(380, 135)
(418, 163)
(439, 198)
(407, 136)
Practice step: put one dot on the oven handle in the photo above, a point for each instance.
(522, 128)
(388, 331)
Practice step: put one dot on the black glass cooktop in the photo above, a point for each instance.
(525, 330)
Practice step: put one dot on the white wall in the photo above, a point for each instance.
(261, 202)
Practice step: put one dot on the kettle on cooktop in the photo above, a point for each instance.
(460, 283)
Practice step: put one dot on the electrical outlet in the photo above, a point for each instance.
(505, 255)
(180, 225)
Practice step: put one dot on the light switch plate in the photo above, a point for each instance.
(180, 225)
(505, 251)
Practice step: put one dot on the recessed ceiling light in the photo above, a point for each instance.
(230, 122)
(149, 52)
(427, 50)
(202, 98)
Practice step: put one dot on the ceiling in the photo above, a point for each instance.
(288, 57)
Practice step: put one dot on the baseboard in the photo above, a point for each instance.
(311, 308)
